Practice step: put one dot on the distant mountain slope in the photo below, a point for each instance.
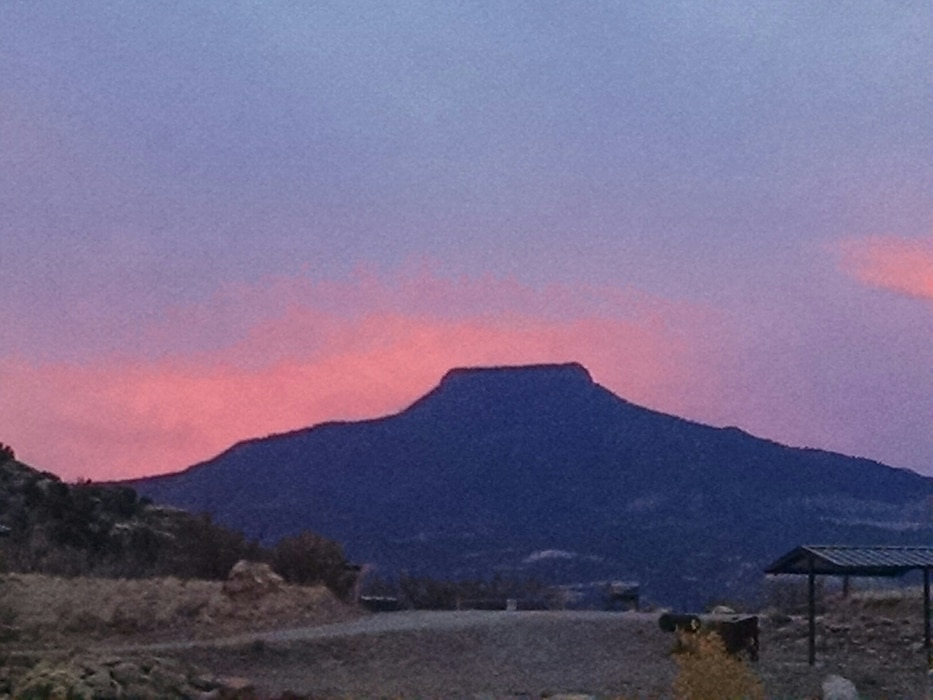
(540, 471)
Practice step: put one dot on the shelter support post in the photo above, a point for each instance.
(811, 606)
(926, 612)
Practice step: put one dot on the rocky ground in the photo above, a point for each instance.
(240, 644)
(54, 632)
(85, 675)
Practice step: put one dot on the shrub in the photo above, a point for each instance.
(707, 672)
(307, 558)
(204, 549)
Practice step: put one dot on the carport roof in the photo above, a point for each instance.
(845, 560)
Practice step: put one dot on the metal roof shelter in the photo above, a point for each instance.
(845, 560)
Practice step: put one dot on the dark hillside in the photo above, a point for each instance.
(107, 530)
(540, 471)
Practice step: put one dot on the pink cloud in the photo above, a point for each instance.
(300, 353)
(899, 265)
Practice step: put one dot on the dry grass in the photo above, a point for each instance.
(707, 672)
(885, 597)
(906, 603)
(48, 609)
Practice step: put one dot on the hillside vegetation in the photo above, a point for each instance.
(108, 531)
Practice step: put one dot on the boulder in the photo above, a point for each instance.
(839, 688)
(250, 579)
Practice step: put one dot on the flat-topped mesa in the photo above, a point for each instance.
(566, 373)
(496, 392)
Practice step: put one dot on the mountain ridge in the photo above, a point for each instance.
(497, 463)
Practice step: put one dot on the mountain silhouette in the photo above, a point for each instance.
(537, 471)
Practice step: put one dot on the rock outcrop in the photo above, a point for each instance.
(250, 579)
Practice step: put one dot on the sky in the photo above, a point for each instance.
(223, 220)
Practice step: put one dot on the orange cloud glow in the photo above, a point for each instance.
(898, 265)
(293, 364)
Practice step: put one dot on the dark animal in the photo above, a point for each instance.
(739, 633)
(670, 622)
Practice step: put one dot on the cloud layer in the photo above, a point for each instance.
(209, 216)
(290, 353)
(899, 265)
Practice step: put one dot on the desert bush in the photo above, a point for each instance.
(705, 671)
(200, 548)
(118, 501)
(308, 558)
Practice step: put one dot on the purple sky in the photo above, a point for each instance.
(226, 219)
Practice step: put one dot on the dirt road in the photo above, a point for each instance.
(452, 655)
(475, 654)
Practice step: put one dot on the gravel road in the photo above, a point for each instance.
(479, 654)
(453, 655)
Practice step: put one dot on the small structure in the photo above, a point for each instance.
(380, 603)
(844, 560)
(623, 594)
(739, 633)
(355, 572)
